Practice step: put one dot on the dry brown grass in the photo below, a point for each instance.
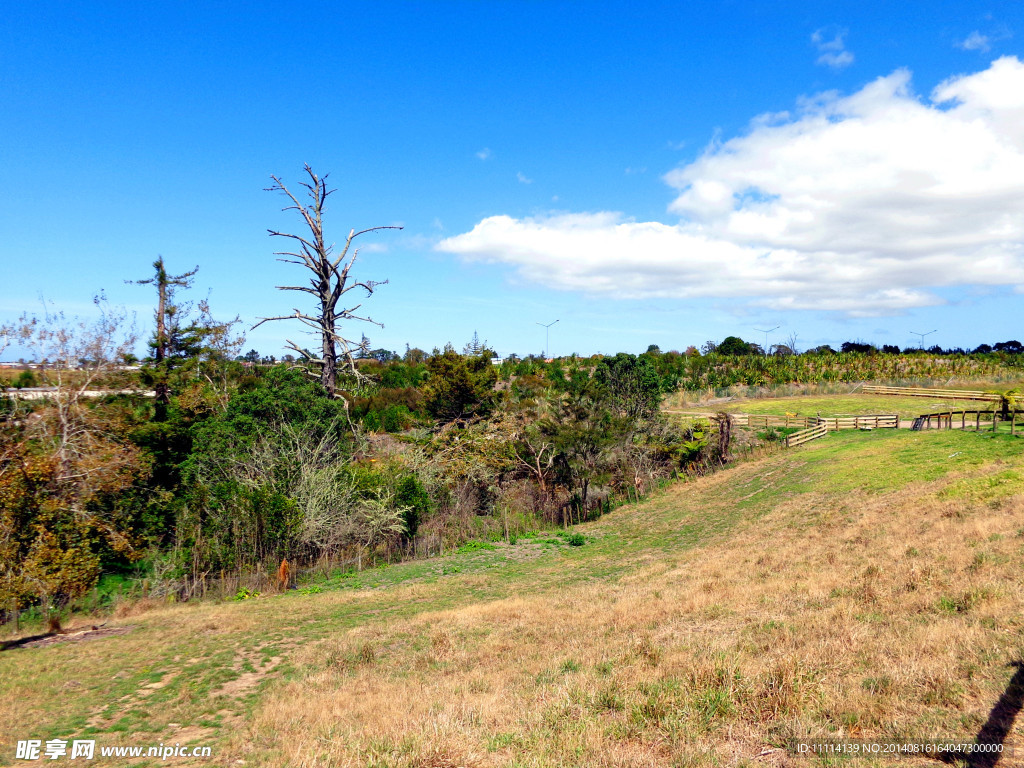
(850, 613)
(887, 616)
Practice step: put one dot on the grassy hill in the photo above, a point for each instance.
(863, 586)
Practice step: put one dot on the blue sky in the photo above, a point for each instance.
(665, 174)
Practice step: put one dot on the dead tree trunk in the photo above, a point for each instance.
(330, 280)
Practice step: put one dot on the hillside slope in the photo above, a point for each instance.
(864, 586)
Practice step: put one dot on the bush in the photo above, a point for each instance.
(26, 378)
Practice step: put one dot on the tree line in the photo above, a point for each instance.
(230, 466)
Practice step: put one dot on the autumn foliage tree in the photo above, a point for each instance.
(66, 469)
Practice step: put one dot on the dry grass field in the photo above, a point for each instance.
(865, 586)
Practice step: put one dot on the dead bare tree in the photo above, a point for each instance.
(330, 281)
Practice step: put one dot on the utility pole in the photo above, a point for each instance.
(762, 330)
(922, 335)
(547, 332)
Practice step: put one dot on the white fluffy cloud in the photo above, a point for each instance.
(862, 204)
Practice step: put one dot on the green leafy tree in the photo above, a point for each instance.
(584, 428)
(632, 383)
(459, 387)
(734, 345)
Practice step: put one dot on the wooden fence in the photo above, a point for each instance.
(820, 429)
(823, 425)
(949, 394)
(967, 419)
(867, 421)
(766, 420)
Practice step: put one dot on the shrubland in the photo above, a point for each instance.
(236, 466)
(233, 468)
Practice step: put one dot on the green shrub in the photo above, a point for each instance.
(26, 378)
(474, 546)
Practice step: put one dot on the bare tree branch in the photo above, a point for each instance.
(329, 282)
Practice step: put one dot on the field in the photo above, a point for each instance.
(837, 405)
(863, 586)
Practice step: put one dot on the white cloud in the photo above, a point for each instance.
(484, 153)
(975, 42)
(832, 47)
(864, 204)
(836, 60)
(522, 178)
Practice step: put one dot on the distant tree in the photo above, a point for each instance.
(653, 349)
(857, 346)
(414, 355)
(982, 349)
(331, 281)
(734, 345)
(890, 349)
(171, 338)
(475, 346)
(1013, 347)
(383, 355)
(822, 349)
(708, 347)
(252, 356)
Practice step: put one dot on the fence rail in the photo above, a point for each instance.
(820, 429)
(968, 420)
(866, 421)
(751, 420)
(950, 394)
